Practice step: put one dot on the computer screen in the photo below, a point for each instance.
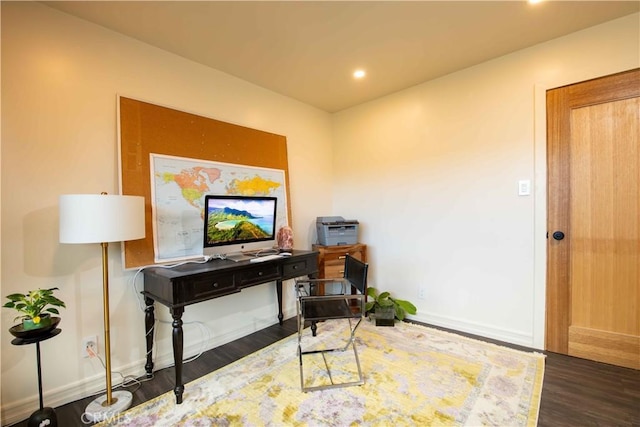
(238, 224)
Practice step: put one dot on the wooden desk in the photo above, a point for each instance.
(193, 283)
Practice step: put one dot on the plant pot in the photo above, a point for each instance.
(385, 316)
(29, 324)
(18, 330)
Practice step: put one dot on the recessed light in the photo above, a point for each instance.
(358, 74)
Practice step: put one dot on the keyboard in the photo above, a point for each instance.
(265, 258)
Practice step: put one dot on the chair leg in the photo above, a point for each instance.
(301, 367)
(326, 366)
(350, 343)
(300, 329)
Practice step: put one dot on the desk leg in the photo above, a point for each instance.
(279, 292)
(178, 344)
(149, 321)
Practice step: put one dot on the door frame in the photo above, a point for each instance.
(540, 193)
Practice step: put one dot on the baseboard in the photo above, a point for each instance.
(504, 335)
(190, 350)
(94, 385)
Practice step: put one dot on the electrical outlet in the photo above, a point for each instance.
(89, 346)
(422, 292)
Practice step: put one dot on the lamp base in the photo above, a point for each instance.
(98, 410)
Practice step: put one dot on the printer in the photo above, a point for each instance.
(335, 230)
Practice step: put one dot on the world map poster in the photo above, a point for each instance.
(178, 187)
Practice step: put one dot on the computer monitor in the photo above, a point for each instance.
(238, 226)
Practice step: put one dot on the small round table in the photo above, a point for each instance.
(43, 414)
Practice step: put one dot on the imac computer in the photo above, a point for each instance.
(239, 227)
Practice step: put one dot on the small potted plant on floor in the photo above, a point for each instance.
(36, 307)
(386, 309)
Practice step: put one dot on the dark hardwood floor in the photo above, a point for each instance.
(576, 392)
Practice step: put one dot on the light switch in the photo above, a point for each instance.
(524, 187)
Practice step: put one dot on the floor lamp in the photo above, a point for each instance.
(102, 218)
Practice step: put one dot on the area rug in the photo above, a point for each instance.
(414, 376)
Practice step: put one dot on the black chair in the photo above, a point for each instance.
(320, 300)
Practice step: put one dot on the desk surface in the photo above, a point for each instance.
(217, 265)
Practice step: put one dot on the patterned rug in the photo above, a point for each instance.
(414, 376)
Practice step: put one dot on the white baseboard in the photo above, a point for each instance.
(21, 410)
(94, 385)
(504, 335)
(162, 361)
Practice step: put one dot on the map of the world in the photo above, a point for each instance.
(178, 187)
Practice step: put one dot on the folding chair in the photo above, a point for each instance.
(318, 300)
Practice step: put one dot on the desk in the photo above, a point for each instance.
(192, 283)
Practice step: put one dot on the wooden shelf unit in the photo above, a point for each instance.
(331, 258)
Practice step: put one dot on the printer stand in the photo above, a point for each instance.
(331, 258)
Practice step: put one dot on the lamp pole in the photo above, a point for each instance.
(107, 334)
(92, 218)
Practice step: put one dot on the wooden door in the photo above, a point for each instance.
(593, 273)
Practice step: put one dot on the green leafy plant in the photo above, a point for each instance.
(382, 300)
(34, 304)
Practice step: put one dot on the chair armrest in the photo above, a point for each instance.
(359, 298)
(312, 286)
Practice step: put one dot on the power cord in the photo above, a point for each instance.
(127, 380)
(206, 335)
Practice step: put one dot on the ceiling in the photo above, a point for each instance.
(308, 50)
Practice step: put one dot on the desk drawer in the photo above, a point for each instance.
(258, 274)
(206, 287)
(298, 268)
(334, 264)
(339, 256)
(332, 271)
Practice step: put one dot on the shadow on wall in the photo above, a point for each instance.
(43, 254)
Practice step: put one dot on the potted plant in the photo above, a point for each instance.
(386, 308)
(36, 307)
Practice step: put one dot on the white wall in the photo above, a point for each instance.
(432, 174)
(60, 79)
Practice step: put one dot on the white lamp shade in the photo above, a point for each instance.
(101, 218)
